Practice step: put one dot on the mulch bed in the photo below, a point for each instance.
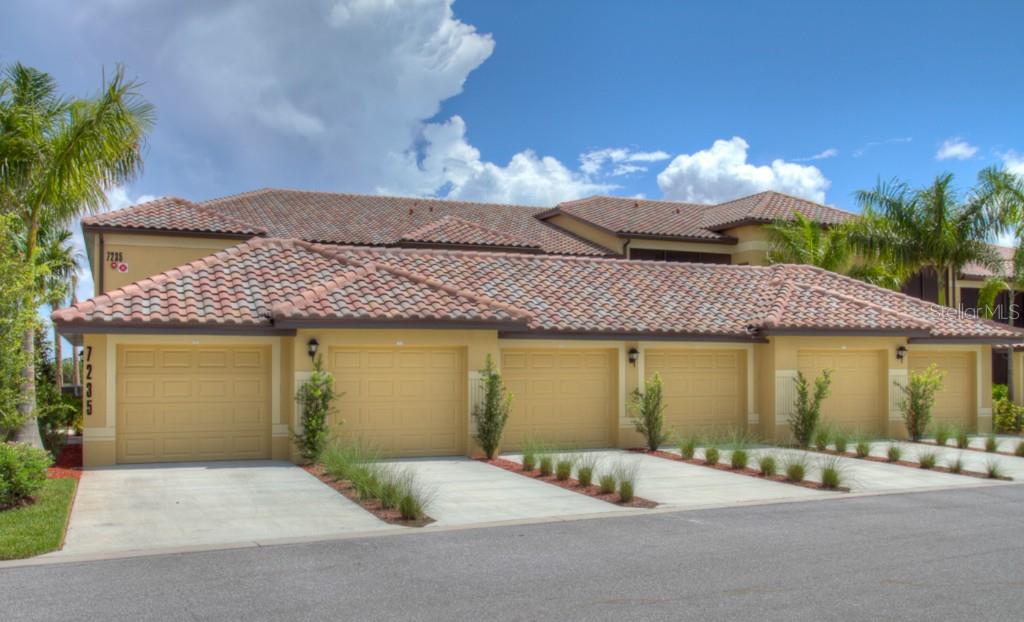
(571, 484)
(344, 487)
(68, 464)
(748, 471)
(984, 451)
(915, 465)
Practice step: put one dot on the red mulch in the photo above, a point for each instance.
(747, 471)
(69, 463)
(984, 451)
(344, 487)
(571, 484)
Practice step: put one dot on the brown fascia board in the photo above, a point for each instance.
(978, 340)
(169, 328)
(402, 323)
(843, 332)
(184, 233)
(625, 336)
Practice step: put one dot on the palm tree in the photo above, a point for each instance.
(59, 263)
(804, 241)
(58, 158)
(929, 228)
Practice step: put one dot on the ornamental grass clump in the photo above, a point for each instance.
(962, 438)
(647, 409)
(795, 467)
(807, 407)
(841, 441)
(993, 469)
(832, 472)
(607, 483)
(531, 449)
(991, 443)
(711, 455)
(738, 459)
(862, 446)
(955, 465)
(822, 437)
(942, 433)
(894, 453)
(492, 412)
(547, 465)
(563, 467)
(767, 464)
(927, 460)
(626, 473)
(688, 447)
(585, 465)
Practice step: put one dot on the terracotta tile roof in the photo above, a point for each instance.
(769, 206)
(373, 220)
(642, 217)
(978, 272)
(172, 214)
(455, 231)
(271, 282)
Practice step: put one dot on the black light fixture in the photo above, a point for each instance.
(311, 347)
(633, 354)
(901, 353)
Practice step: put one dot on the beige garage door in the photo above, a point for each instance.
(705, 390)
(955, 402)
(179, 403)
(561, 396)
(858, 398)
(403, 401)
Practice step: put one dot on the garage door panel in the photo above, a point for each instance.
(564, 397)
(955, 402)
(704, 389)
(402, 401)
(857, 399)
(192, 403)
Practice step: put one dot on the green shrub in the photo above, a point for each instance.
(647, 409)
(993, 469)
(563, 467)
(585, 465)
(991, 443)
(962, 438)
(547, 465)
(822, 437)
(832, 472)
(315, 397)
(942, 433)
(841, 441)
(1007, 416)
(626, 474)
(492, 413)
(711, 455)
(607, 483)
(688, 447)
(894, 453)
(795, 467)
(955, 465)
(1000, 392)
(767, 464)
(918, 399)
(807, 409)
(738, 459)
(22, 472)
(927, 460)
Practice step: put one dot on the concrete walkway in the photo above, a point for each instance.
(470, 491)
(868, 476)
(159, 506)
(681, 485)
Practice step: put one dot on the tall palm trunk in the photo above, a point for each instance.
(29, 431)
(1009, 357)
(75, 378)
(58, 352)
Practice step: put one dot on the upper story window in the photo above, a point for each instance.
(651, 254)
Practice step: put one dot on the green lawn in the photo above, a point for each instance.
(38, 528)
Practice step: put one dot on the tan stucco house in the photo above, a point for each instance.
(206, 313)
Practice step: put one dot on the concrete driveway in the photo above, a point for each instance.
(470, 491)
(165, 506)
(679, 485)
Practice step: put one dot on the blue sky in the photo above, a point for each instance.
(537, 101)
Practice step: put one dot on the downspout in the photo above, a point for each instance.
(625, 248)
(99, 263)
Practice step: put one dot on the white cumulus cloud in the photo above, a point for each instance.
(1013, 162)
(955, 149)
(621, 160)
(722, 173)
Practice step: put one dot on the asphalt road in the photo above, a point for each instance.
(952, 555)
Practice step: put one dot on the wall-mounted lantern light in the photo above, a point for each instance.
(633, 355)
(901, 353)
(311, 347)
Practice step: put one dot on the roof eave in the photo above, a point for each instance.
(398, 322)
(978, 340)
(80, 327)
(190, 233)
(627, 335)
(844, 332)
